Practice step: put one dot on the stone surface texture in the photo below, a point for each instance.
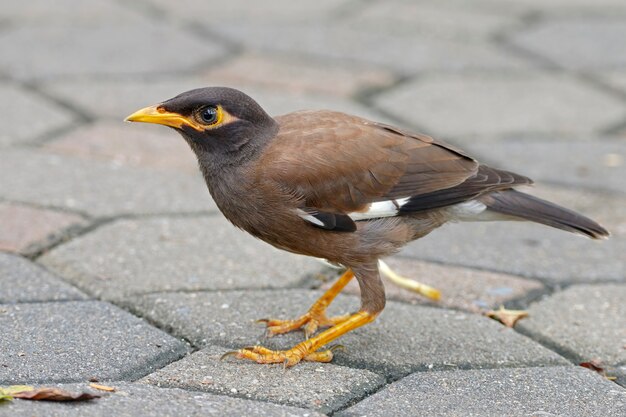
(25, 229)
(512, 392)
(116, 264)
(24, 281)
(63, 342)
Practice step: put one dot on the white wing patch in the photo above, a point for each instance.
(474, 211)
(387, 208)
(310, 218)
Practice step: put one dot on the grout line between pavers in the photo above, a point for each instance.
(346, 10)
(548, 282)
(97, 222)
(527, 22)
(35, 88)
(615, 131)
(347, 404)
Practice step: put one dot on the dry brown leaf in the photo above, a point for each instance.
(7, 393)
(507, 317)
(102, 387)
(597, 366)
(53, 394)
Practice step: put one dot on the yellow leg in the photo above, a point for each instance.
(412, 285)
(306, 350)
(316, 316)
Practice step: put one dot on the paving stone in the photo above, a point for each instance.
(409, 54)
(299, 76)
(239, 12)
(17, 109)
(619, 373)
(523, 249)
(585, 7)
(480, 106)
(405, 338)
(596, 164)
(443, 20)
(281, 102)
(26, 229)
(585, 322)
(563, 391)
(68, 12)
(616, 79)
(322, 387)
(139, 400)
(97, 188)
(75, 50)
(24, 281)
(461, 288)
(64, 342)
(118, 98)
(126, 144)
(181, 254)
(578, 43)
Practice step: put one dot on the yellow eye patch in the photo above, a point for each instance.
(157, 114)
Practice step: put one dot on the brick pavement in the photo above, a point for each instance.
(115, 264)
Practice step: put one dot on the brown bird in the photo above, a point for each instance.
(342, 188)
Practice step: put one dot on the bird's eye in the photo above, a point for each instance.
(209, 115)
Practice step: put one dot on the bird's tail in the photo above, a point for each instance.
(517, 204)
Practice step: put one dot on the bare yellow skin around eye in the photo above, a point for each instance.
(157, 114)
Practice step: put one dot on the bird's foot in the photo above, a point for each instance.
(312, 320)
(308, 350)
(300, 352)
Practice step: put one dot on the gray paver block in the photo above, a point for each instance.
(409, 54)
(403, 338)
(563, 391)
(113, 98)
(298, 75)
(26, 116)
(78, 340)
(239, 12)
(118, 98)
(596, 164)
(323, 387)
(481, 106)
(139, 400)
(585, 322)
(461, 288)
(66, 12)
(124, 144)
(442, 20)
(281, 102)
(24, 281)
(583, 7)
(616, 78)
(172, 254)
(81, 49)
(524, 249)
(99, 188)
(27, 229)
(578, 43)
(619, 373)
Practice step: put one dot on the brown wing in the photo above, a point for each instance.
(338, 164)
(342, 163)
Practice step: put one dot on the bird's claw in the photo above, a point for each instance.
(288, 358)
(310, 322)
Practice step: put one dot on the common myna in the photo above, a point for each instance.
(341, 188)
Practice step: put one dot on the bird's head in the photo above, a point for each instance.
(213, 119)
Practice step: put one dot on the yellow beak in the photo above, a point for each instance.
(157, 114)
